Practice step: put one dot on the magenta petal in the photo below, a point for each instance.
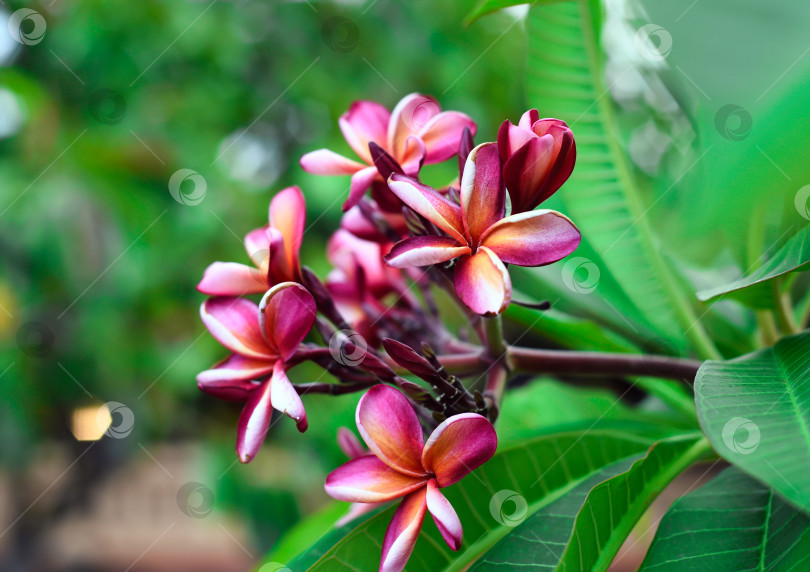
(442, 135)
(424, 251)
(444, 516)
(235, 367)
(483, 196)
(350, 444)
(401, 535)
(391, 430)
(458, 446)
(413, 156)
(285, 399)
(231, 279)
(533, 238)
(257, 245)
(234, 322)
(254, 423)
(227, 389)
(326, 162)
(365, 121)
(410, 116)
(288, 311)
(482, 282)
(526, 173)
(361, 181)
(367, 479)
(429, 203)
(288, 213)
(511, 138)
(529, 118)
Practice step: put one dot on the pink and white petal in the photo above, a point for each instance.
(235, 368)
(442, 135)
(231, 279)
(326, 162)
(391, 430)
(444, 515)
(234, 322)
(350, 444)
(410, 115)
(287, 312)
(285, 398)
(361, 181)
(529, 118)
(533, 238)
(254, 423)
(227, 389)
(356, 510)
(413, 156)
(526, 173)
(257, 245)
(429, 203)
(288, 212)
(511, 138)
(424, 251)
(367, 479)
(279, 269)
(483, 283)
(365, 121)
(483, 195)
(359, 225)
(458, 446)
(400, 537)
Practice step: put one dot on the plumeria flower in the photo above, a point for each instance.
(272, 248)
(417, 132)
(538, 156)
(478, 235)
(263, 339)
(403, 466)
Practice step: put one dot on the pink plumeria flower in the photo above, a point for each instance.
(478, 235)
(538, 156)
(416, 132)
(403, 466)
(272, 248)
(262, 338)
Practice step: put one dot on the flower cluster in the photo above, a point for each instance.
(399, 240)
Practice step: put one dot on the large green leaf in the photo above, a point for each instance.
(732, 523)
(536, 472)
(485, 7)
(793, 255)
(756, 412)
(615, 506)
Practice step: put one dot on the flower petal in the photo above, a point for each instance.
(254, 423)
(402, 532)
(458, 446)
(391, 430)
(350, 444)
(279, 269)
(234, 322)
(288, 311)
(424, 251)
(483, 283)
(429, 203)
(512, 137)
(533, 238)
(367, 479)
(365, 121)
(413, 155)
(234, 368)
(288, 213)
(229, 389)
(231, 279)
(411, 114)
(356, 510)
(444, 515)
(285, 398)
(483, 195)
(361, 181)
(529, 118)
(326, 162)
(526, 173)
(442, 135)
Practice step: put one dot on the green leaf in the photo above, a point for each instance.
(537, 472)
(732, 523)
(755, 410)
(485, 7)
(793, 255)
(615, 506)
(603, 195)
